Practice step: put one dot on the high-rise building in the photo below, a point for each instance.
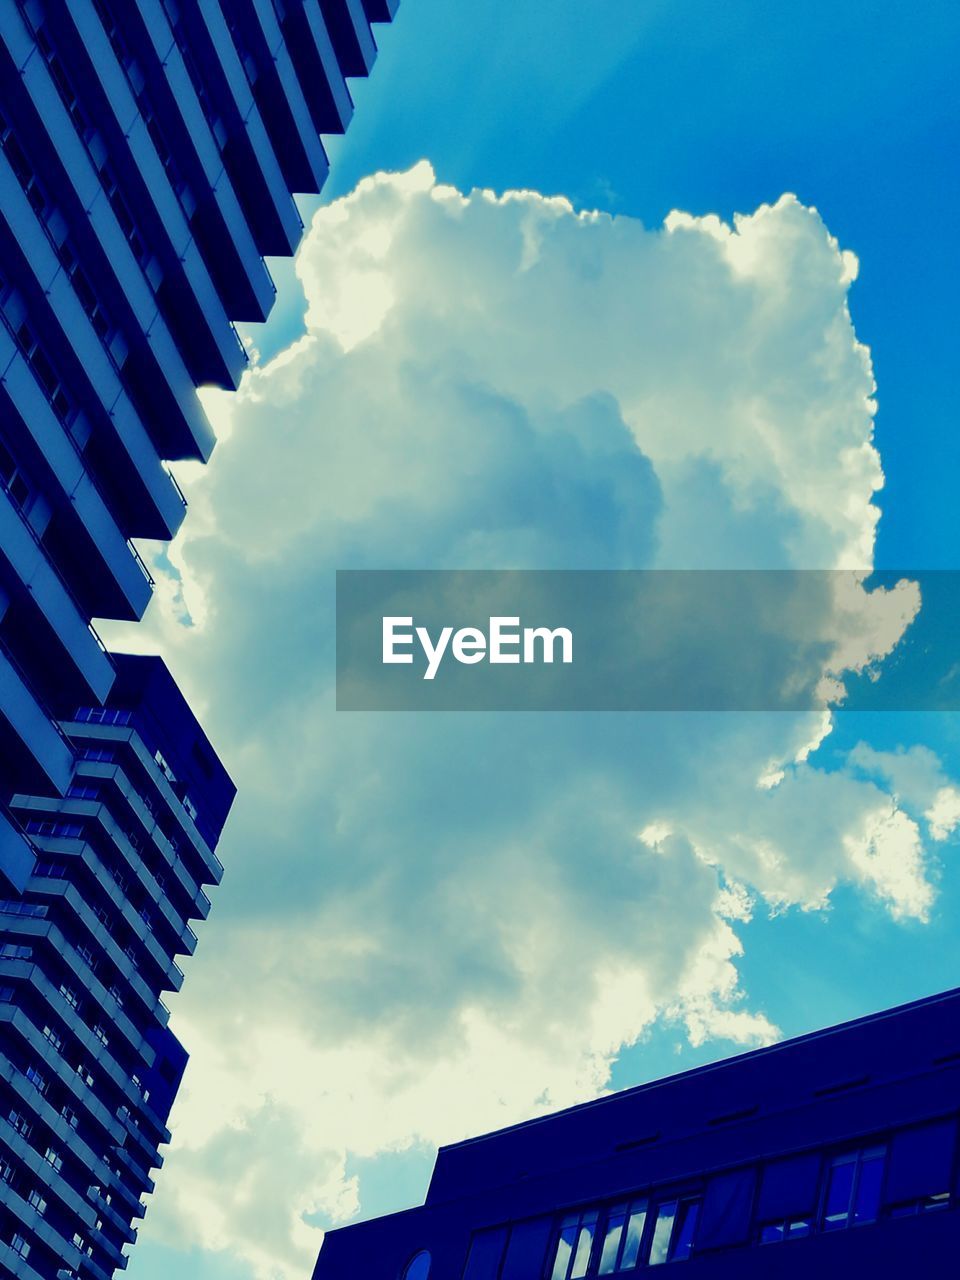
(832, 1155)
(149, 152)
(89, 1067)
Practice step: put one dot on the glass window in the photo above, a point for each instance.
(674, 1231)
(622, 1237)
(686, 1228)
(921, 1205)
(853, 1188)
(866, 1203)
(612, 1239)
(418, 1268)
(662, 1231)
(574, 1245)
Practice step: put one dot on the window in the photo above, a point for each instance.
(37, 1079)
(15, 951)
(121, 210)
(13, 480)
(23, 169)
(418, 1268)
(19, 1245)
(45, 372)
(50, 870)
(86, 294)
(244, 53)
(921, 1205)
(574, 1245)
(53, 1158)
(55, 1039)
(853, 1188)
(673, 1231)
(71, 997)
(11, 907)
(63, 830)
(164, 767)
(37, 1203)
(83, 791)
(45, 210)
(103, 715)
(623, 1237)
(20, 1122)
(785, 1229)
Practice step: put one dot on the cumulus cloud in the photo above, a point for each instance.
(431, 926)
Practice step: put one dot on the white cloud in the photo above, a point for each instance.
(917, 780)
(435, 925)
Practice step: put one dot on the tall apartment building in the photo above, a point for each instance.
(88, 1065)
(149, 150)
(831, 1156)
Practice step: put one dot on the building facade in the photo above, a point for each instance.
(89, 1067)
(149, 152)
(832, 1155)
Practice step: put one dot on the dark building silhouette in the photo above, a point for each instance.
(149, 152)
(831, 1155)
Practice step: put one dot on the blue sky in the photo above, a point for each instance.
(637, 109)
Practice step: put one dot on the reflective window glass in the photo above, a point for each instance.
(867, 1204)
(839, 1192)
(616, 1219)
(418, 1268)
(853, 1188)
(634, 1236)
(581, 1257)
(662, 1231)
(568, 1235)
(686, 1228)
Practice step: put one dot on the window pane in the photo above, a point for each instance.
(837, 1209)
(798, 1227)
(772, 1233)
(868, 1190)
(662, 1231)
(584, 1248)
(611, 1242)
(634, 1237)
(683, 1242)
(564, 1251)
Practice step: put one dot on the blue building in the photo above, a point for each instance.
(88, 1065)
(834, 1154)
(149, 150)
